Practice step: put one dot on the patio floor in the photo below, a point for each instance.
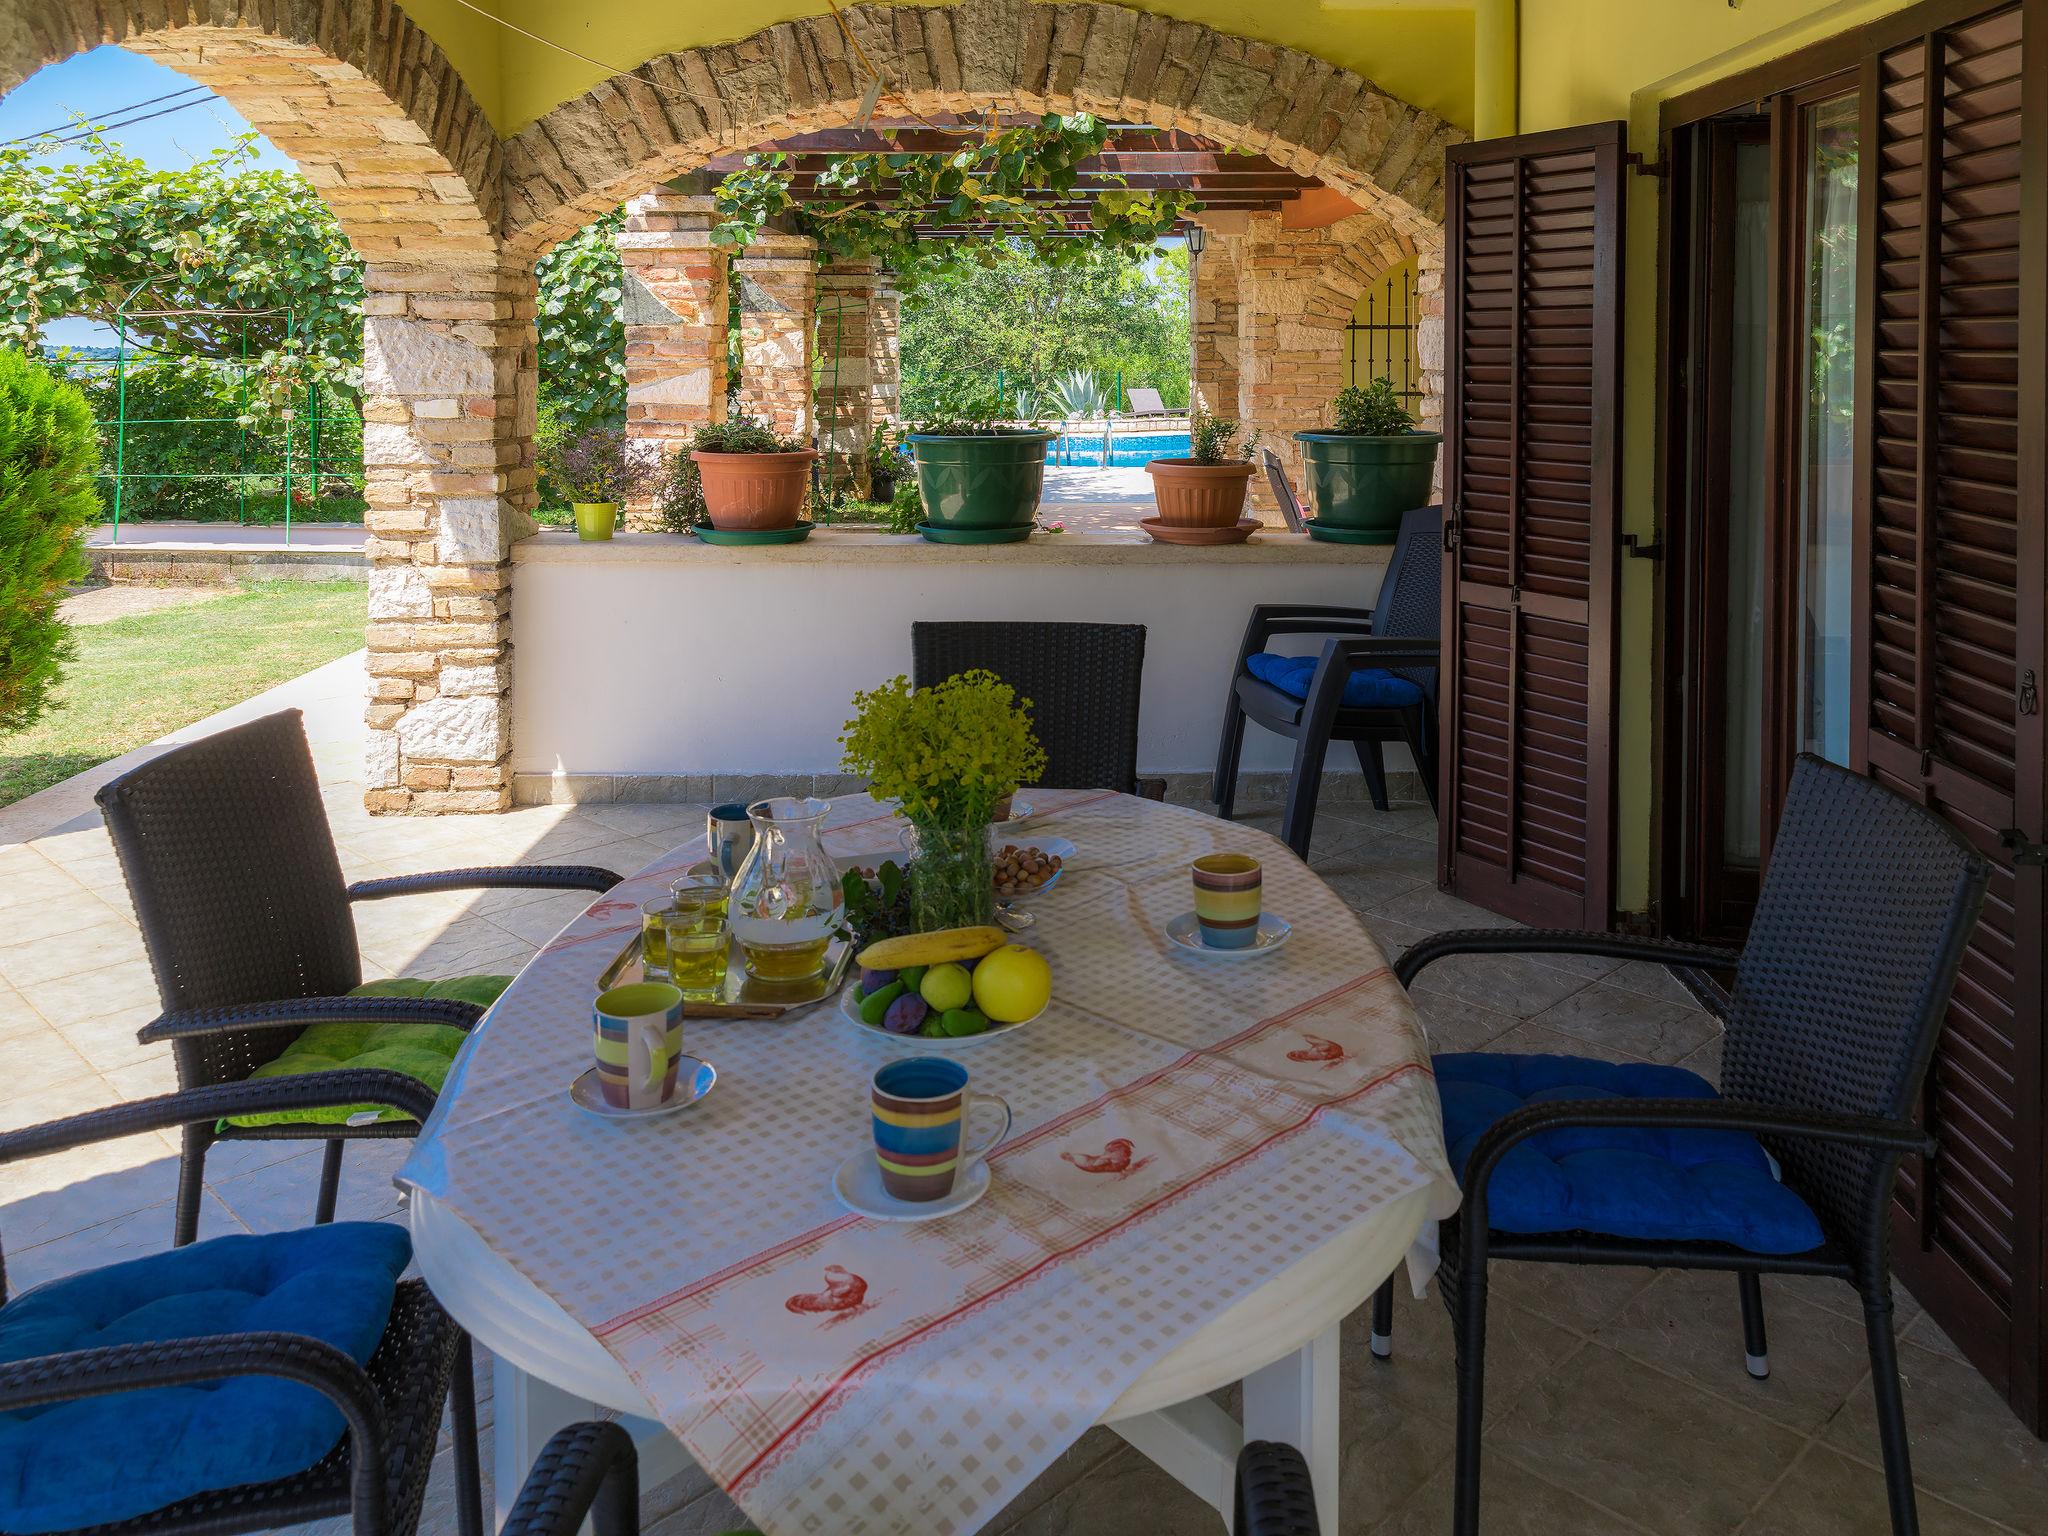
(1617, 1400)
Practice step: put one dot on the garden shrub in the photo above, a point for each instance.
(47, 457)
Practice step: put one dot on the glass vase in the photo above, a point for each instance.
(952, 877)
(786, 897)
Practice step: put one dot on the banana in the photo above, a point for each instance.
(931, 948)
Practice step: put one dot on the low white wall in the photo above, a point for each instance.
(654, 654)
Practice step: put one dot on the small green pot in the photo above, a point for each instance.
(1366, 483)
(596, 519)
(981, 482)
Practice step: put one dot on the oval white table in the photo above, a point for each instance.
(1280, 1338)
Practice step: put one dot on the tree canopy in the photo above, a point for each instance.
(1037, 321)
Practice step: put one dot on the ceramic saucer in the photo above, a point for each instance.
(1186, 934)
(858, 1186)
(695, 1079)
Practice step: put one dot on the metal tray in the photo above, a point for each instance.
(744, 996)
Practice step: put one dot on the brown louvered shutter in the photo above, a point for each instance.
(1532, 484)
(1948, 627)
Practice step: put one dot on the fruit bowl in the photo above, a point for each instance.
(849, 1010)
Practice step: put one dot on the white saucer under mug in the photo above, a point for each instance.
(858, 1186)
(1186, 934)
(695, 1078)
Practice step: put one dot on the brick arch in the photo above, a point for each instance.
(352, 90)
(675, 112)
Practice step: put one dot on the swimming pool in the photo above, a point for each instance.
(1085, 448)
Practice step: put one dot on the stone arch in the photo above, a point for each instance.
(674, 112)
(353, 90)
(387, 132)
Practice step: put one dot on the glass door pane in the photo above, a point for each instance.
(1747, 519)
(1824, 490)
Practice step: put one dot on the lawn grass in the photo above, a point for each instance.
(141, 677)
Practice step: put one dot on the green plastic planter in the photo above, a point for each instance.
(595, 519)
(981, 482)
(1364, 484)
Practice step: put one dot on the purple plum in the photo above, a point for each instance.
(905, 1015)
(872, 982)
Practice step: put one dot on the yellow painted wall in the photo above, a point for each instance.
(1423, 56)
(1389, 299)
(1588, 61)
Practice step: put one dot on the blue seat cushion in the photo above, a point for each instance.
(110, 1458)
(1670, 1186)
(1367, 687)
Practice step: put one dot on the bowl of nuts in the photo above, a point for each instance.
(1020, 869)
(1030, 869)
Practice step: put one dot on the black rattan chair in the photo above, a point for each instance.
(1393, 643)
(586, 1470)
(1838, 997)
(1083, 681)
(1274, 1495)
(245, 915)
(377, 1472)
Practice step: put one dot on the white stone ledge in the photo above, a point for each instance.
(858, 546)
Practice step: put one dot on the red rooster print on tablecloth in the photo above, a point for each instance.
(844, 1297)
(1318, 1051)
(1114, 1159)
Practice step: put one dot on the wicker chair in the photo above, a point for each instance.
(246, 918)
(1389, 650)
(1274, 1495)
(1838, 997)
(586, 1470)
(377, 1472)
(1083, 681)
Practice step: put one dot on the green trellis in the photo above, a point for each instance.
(304, 416)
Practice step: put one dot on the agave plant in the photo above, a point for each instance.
(1024, 403)
(1078, 395)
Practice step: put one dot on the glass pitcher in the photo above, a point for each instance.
(786, 896)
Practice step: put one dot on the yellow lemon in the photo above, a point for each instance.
(1012, 984)
(946, 987)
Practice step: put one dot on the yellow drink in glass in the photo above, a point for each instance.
(698, 941)
(787, 961)
(654, 939)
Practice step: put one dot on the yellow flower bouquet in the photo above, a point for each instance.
(948, 755)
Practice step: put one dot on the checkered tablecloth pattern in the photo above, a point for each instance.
(1185, 1130)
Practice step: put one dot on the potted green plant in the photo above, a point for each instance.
(885, 463)
(948, 755)
(754, 479)
(1369, 468)
(1201, 497)
(980, 475)
(597, 469)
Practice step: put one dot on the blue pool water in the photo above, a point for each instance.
(1085, 448)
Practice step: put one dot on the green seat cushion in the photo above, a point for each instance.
(424, 1051)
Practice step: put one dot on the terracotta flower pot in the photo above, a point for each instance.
(755, 490)
(1192, 495)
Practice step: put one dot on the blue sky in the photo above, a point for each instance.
(97, 85)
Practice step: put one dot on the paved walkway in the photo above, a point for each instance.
(1617, 1399)
(228, 537)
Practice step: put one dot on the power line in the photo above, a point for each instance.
(197, 95)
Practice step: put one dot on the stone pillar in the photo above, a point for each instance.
(1212, 324)
(1429, 340)
(885, 354)
(846, 292)
(776, 279)
(674, 309)
(450, 375)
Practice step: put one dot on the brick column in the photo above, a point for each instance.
(450, 372)
(1212, 324)
(846, 292)
(885, 355)
(674, 309)
(776, 278)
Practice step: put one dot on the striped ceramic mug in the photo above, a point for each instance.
(921, 1107)
(638, 1036)
(1227, 899)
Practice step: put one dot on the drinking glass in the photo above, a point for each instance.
(654, 938)
(698, 939)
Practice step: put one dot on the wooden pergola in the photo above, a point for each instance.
(1137, 158)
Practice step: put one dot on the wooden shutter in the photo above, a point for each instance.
(1532, 486)
(1948, 624)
